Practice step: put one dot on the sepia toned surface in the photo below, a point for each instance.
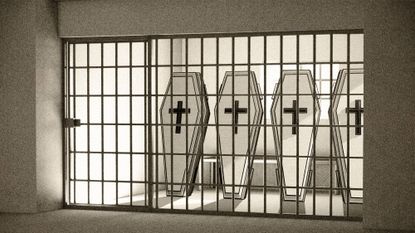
(388, 159)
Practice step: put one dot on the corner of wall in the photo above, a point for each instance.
(49, 83)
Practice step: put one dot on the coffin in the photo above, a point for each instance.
(350, 168)
(291, 140)
(182, 143)
(238, 113)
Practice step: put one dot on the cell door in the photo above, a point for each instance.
(105, 93)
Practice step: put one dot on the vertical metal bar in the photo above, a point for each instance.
(147, 60)
(187, 121)
(64, 112)
(314, 124)
(265, 125)
(202, 127)
(102, 122)
(217, 126)
(282, 191)
(298, 123)
(348, 129)
(249, 124)
(331, 123)
(157, 126)
(150, 130)
(233, 125)
(116, 124)
(131, 120)
(171, 123)
(363, 123)
(74, 129)
(67, 132)
(88, 120)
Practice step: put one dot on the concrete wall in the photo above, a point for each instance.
(129, 17)
(48, 107)
(389, 166)
(30, 110)
(18, 107)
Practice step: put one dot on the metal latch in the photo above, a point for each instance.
(71, 123)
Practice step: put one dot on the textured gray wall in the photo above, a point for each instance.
(129, 17)
(48, 107)
(30, 110)
(17, 109)
(389, 166)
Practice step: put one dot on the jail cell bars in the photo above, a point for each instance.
(127, 151)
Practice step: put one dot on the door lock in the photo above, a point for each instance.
(71, 123)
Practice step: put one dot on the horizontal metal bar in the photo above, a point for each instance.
(220, 64)
(204, 35)
(104, 39)
(253, 34)
(276, 187)
(253, 64)
(223, 125)
(213, 95)
(109, 181)
(257, 156)
(107, 67)
(207, 212)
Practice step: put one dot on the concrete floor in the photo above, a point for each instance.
(111, 221)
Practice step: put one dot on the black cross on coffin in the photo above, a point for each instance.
(295, 114)
(357, 110)
(179, 111)
(235, 110)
